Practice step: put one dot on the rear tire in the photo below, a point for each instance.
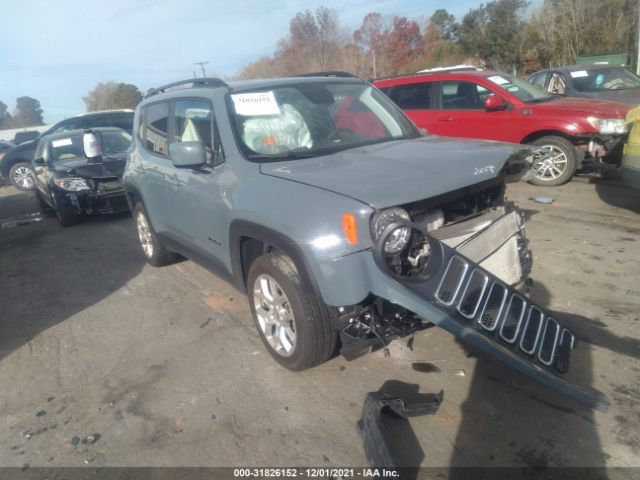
(21, 176)
(560, 167)
(293, 323)
(154, 252)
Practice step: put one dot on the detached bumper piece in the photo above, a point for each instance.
(377, 444)
(482, 310)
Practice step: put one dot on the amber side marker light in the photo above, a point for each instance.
(349, 228)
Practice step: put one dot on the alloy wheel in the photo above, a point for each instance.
(144, 234)
(274, 314)
(23, 177)
(551, 164)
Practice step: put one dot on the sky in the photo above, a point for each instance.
(57, 51)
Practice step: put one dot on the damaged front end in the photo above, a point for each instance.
(104, 195)
(462, 267)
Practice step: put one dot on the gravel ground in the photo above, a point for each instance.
(164, 367)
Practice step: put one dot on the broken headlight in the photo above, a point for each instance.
(608, 125)
(399, 238)
(72, 184)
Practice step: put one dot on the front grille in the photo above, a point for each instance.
(452, 280)
(500, 312)
(472, 294)
(493, 306)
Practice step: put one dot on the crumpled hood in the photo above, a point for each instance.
(403, 171)
(600, 108)
(111, 167)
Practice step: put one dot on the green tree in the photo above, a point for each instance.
(563, 29)
(446, 24)
(492, 32)
(27, 113)
(112, 95)
(5, 116)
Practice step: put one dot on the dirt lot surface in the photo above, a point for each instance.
(164, 366)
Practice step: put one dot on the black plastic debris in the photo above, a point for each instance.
(377, 444)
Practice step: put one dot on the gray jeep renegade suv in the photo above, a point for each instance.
(345, 225)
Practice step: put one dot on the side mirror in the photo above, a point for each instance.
(494, 103)
(187, 154)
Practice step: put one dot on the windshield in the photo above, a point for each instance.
(73, 146)
(522, 89)
(309, 119)
(600, 79)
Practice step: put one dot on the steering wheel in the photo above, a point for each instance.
(340, 133)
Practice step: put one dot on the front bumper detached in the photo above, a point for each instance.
(473, 304)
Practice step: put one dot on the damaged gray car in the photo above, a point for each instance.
(345, 226)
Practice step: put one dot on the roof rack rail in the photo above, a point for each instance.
(207, 81)
(419, 74)
(330, 73)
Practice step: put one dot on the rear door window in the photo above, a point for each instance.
(416, 96)
(157, 128)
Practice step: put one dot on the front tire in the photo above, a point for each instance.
(557, 168)
(65, 212)
(21, 176)
(154, 252)
(293, 323)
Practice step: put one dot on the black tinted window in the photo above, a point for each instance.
(125, 122)
(157, 124)
(539, 79)
(459, 95)
(95, 121)
(411, 97)
(70, 124)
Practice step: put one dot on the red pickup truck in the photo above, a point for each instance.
(497, 106)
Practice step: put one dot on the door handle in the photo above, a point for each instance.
(445, 119)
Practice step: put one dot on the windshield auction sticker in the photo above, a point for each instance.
(498, 79)
(579, 74)
(259, 103)
(63, 142)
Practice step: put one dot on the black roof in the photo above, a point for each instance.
(575, 68)
(80, 131)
